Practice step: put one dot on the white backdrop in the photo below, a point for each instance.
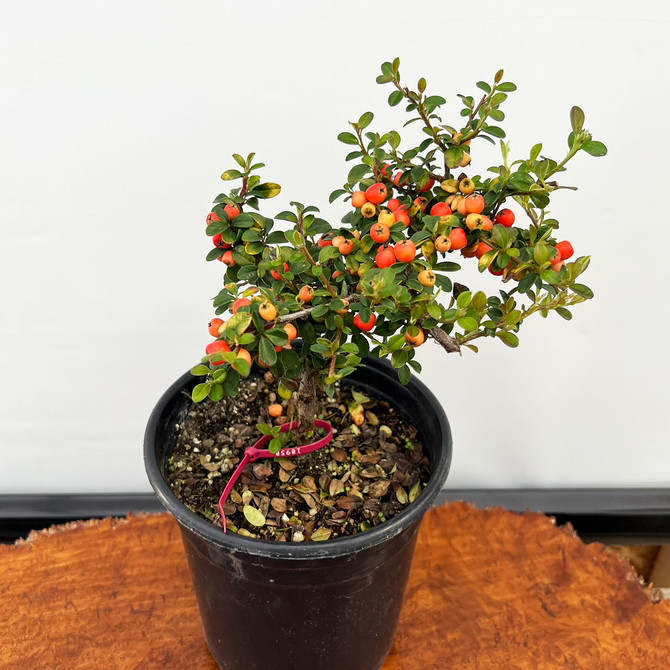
(117, 118)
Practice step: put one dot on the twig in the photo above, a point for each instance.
(447, 342)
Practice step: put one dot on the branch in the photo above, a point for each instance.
(285, 318)
(448, 343)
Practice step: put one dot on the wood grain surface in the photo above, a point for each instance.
(489, 590)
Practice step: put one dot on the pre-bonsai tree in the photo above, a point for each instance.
(380, 282)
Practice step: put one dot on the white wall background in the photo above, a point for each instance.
(116, 119)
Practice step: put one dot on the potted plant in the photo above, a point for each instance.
(300, 544)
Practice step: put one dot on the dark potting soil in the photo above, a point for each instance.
(364, 477)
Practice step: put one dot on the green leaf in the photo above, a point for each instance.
(581, 289)
(365, 120)
(507, 87)
(453, 156)
(395, 98)
(240, 161)
(267, 351)
(434, 101)
(231, 382)
(216, 392)
(347, 138)
(254, 516)
(200, 370)
(268, 190)
(594, 148)
(357, 173)
(231, 174)
(242, 366)
(494, 130)
(565, 313)
(464, 299)
(277, 336)
(576, 119)
(551, 277)
(510, 339)
(237, 323)
(200, 392)
(535, 152)
(484, 86)
(336, 194)
(404, 375)
(467, 323)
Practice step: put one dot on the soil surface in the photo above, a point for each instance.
(365, 476)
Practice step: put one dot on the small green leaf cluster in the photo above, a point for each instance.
(380, 282)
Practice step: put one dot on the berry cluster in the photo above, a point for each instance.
(379, 282)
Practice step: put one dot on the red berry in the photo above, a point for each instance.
(216, 347)
(505, 217)
(365, 326)
(232, 211)
(276, 274)
(440, 209)
(458, 238)
(238, 304)
(218, 242)
(211, 217)
(385, 257)
(565, 249)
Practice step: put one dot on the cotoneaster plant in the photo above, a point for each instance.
(382, 281)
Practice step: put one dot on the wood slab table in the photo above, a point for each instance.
(489, 590)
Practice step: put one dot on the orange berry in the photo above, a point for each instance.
(458, 238)
(380, 233)
(443, 244)
(228, 259)
(415, 340)
(402, 215)
(376, 193)
(244, 354)
(421, 203)
(306, 294)
(427, 278)
(358, 198)
(346, 247)
(405, 251)
(214, 326)
(275, 410)
(474, 203)
(393, 204)
(291, 331)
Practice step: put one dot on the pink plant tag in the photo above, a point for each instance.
(256, 451)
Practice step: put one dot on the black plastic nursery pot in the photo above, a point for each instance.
(317, 605)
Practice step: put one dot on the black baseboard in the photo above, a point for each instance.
(626, 515)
